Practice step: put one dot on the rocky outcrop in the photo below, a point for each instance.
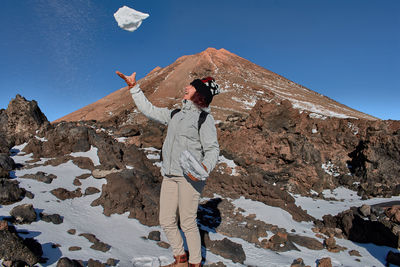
(97, 244)
(375, 228)
(21, 120)
(298, 152)
(135, 191)
(24, 213)
(10, 192)
(6, 165)
(226, 248)
(15, 249)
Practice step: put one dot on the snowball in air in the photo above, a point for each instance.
(129, 19)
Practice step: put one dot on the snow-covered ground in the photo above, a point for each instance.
(124, 235)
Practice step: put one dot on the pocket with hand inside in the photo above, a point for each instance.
(192, 167)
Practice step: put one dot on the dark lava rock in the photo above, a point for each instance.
(112, 262)
(14, 248)
(154, 235)
(91, 191)
(308, 242)
(10, 192)
(354, 253)
(393, 258)
(6, 165)
(97, 244)
(74, 248)
(95, 263)
(63, 194)
(41, 177)
(24, 118)
(134, 191)
(284, 150)
(66, 262)
(29, 194)
(324, 262)
(163, 244)
(226, 248)
(24, 213)
(298, 263)
(71, 231)
(356, 229)
(54, 218)
(279, 242)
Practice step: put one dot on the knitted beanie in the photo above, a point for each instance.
(207, 87)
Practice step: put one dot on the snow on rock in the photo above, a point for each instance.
(330, 169)
(230, 163)
(92, 154)
(129, 19)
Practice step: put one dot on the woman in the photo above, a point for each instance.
(188, 145)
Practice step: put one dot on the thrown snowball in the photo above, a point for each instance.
(129, 19)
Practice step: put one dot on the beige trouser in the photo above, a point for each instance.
(178, 193)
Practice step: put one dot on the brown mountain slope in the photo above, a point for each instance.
(242, 84)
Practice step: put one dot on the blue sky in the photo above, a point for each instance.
(64, 53)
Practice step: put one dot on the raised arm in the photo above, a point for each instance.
(162, 115)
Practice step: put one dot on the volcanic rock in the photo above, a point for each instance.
(393, 258)
(66, 262)
(154, 235)
(13, 248)
(63, 194)
(6, 165)
(111, 262)
(54, 218)
(298, 263)
(23, 119)
(41, 177)
(358, 229)
(95, 263)
(226, 248)
(324, 262)
(24, 213)
(354, 253)
(97, 244)
(91, 190)
(10, 192)
(135, 191)
(304, 241)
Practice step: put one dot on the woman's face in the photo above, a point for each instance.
(189, 92)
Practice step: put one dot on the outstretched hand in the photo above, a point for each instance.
(130, 80)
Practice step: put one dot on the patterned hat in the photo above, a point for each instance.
(207, 87)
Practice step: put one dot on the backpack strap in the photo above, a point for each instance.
(202, 119)
(174, 112)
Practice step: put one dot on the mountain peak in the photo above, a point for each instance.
(242, 84)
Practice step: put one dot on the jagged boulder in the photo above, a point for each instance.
(23, 119)
(24, 213)
(133, 191)
(375, 228)
(15, 249)
(6, 165)
(10, 192)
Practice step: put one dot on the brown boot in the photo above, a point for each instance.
(180, 261)
(195, 264)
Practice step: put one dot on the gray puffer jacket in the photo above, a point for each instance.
(182, 133)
